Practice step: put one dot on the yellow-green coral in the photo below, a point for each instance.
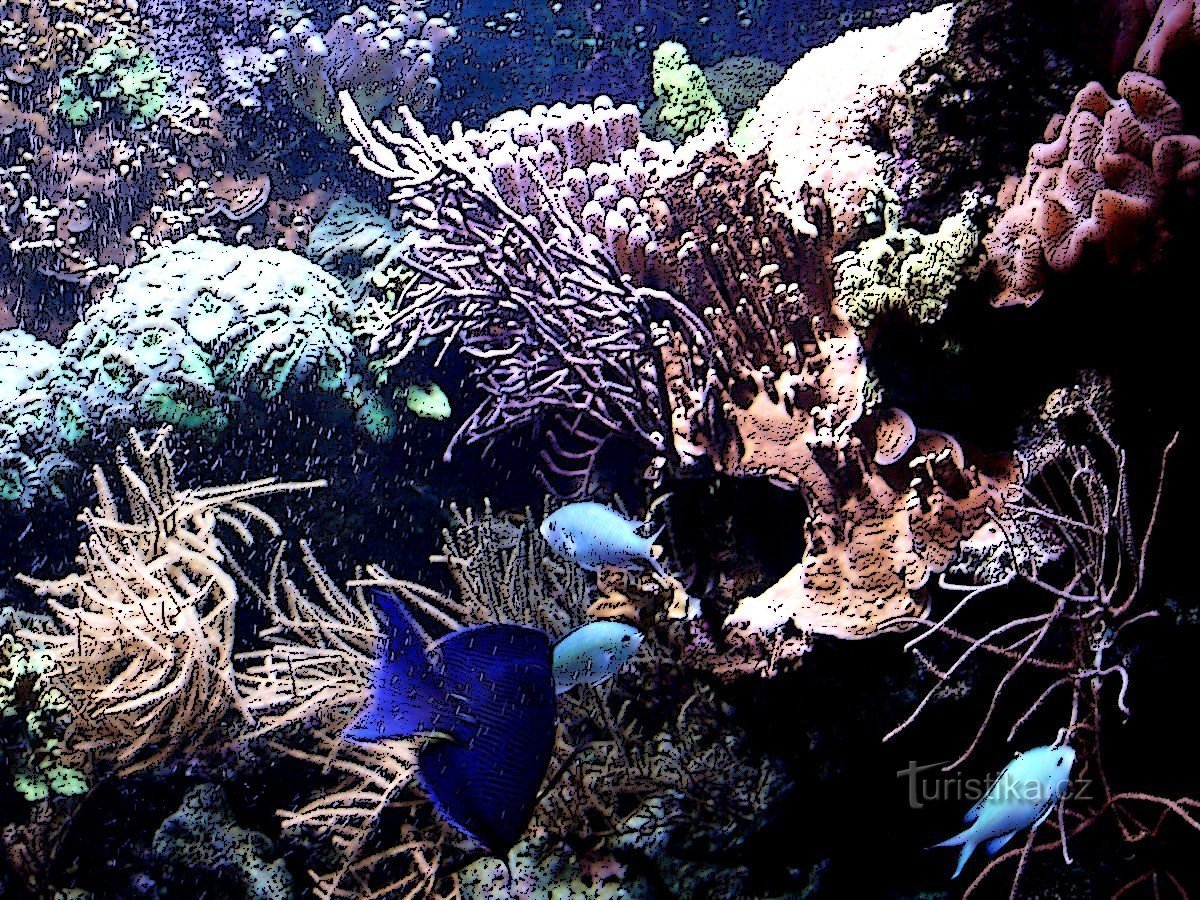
(904, 271)
(687, 101)
(33, 716)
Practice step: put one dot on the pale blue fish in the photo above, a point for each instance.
(594, 653)
(592, 535)
(1022, 797)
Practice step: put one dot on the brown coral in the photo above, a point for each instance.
(1099, 180)
(784, 397)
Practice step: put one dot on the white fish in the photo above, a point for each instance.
(1022, 797)
(593, 653)
(592, 535)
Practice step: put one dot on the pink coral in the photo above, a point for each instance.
(1176, 23)
(1099, 180)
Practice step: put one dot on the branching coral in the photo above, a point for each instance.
(1074, 539)
(145, 655)
(550, 320)
(383, 61)
(1100, 179)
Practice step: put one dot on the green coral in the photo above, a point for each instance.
(33, 717)
(687, 103)
(689, 98)
(182, 338)
(204, 838)
(118, 77)
(905, 271)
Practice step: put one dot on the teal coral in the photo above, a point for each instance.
(905, 271)
(118, 77)
(182, 339)
(34, 715)
(203, 837)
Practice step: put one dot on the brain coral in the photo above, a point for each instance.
(180, 339)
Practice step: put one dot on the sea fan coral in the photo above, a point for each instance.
(549, 318)
(146, 651)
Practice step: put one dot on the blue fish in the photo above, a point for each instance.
(592, 535)
(594, 653)
(1022, 797)
(488, 691)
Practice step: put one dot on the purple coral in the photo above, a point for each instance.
(383, 60)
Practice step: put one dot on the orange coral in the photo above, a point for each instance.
(1099, 180)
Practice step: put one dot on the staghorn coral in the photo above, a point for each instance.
(145, 653)
(903, 271)
(203, 836)
(384, 61)
(822, 124)
(1099, 180)
(783, 395)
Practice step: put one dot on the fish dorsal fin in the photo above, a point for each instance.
(499, 684)
(405, 695)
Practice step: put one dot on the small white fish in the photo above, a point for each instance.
(593, 653)
(1022, 797)
(592, 535)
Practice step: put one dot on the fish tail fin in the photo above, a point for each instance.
(967, 850)
(968, 847)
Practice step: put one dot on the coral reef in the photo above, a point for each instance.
(118, 77)
(34, 715)
(383, 61)
(686, 103)
(181, 339)
(489, 225)
(905, 272)
(1072, 538)
(145, 654)
(792, 407)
